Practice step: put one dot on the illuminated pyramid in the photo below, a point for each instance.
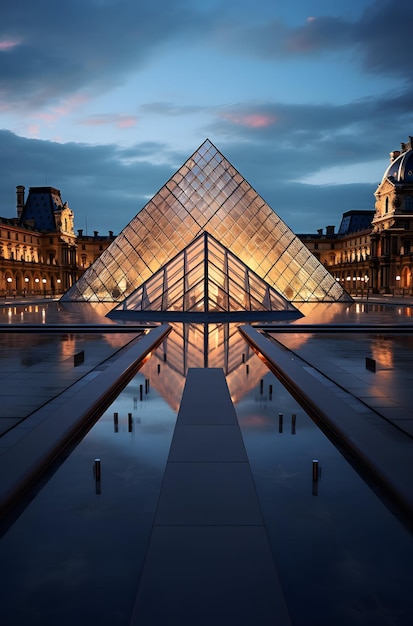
(203, 282)
(207, 194)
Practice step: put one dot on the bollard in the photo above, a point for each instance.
(247, 369)
(270, 392)
(96, 470)
(159, 368)
(243, 357)
(261, 386)
(146, 386)
(315, 470)
(135, 403)
(280, 422)
(130, 422)
(141, 392)
(164, 357)
(116, 422)
(78, 358)
(293, 422)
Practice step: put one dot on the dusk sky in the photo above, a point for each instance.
(105, 99)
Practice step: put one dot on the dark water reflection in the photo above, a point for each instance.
(75, 555)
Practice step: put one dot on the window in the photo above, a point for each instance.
(386, 206)
(408, 204)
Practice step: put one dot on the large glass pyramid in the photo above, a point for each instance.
(207, 194)
(205, 281)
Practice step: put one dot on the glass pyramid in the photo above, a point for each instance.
(207, 194)
(203, 282)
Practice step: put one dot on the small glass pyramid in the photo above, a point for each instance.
(205, 281)
(207, 194)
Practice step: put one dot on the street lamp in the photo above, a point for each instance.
(44, 286)
(26, 280)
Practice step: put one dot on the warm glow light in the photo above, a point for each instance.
(26, 280)
(9, 280)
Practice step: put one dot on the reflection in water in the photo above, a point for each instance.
(203, 345)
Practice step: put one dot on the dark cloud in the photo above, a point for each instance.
(302, 139)
(106, 186)
(83, 45)
(378, 41)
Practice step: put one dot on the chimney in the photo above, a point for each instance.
(20, 200)
(111, 234)
(394, 155)
(80, 232)
(330, 230)
(320, 231)
(95, 233)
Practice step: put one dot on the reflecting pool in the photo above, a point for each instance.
(75, 554)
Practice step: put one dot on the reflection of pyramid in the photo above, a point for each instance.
(203, 345)
(202, 282)
(207, 194)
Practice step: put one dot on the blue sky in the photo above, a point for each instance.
(105, 99)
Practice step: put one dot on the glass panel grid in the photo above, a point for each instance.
(208, 193)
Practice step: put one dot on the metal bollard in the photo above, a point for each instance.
(96, 470)
(315, 470)
(141, 392)
(247, 369)
(293, 422)
(130, 422)
(280, 422)
(116, 422)
(261, 386)
(270, 392)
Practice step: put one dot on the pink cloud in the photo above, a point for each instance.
(66, 108)
(251, 120)
(34, 131)
(120, 121)
(127, 121)
(9, 44)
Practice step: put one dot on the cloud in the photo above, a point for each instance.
(118, 120)
(106, 185)
(375, 41)
(250, 120)
(84, 45)
(8, 44)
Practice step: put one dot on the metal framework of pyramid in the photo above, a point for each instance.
(205, 281)
(207, 194)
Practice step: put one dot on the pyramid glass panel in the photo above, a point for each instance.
(201, 279)
(207, 194)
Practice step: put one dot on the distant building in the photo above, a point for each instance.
(39, 247)
(346, 254)
(392, 226)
